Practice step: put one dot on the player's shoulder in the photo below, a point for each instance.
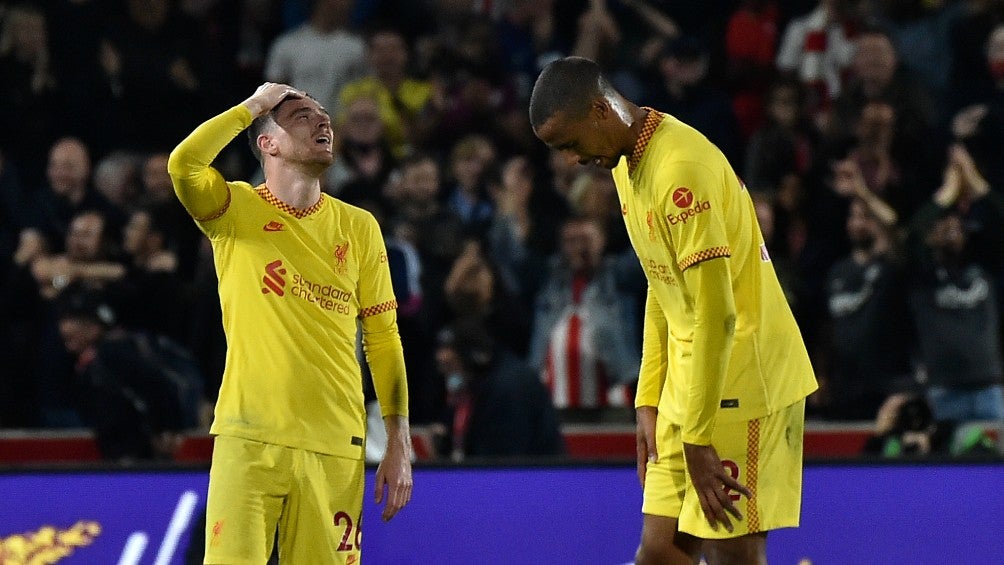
(350, 213)
(243, 191)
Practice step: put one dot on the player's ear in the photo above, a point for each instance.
(600, 109)
(266, 144)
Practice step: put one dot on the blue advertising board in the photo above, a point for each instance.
(913, 514)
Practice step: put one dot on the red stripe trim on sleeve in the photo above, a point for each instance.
(378, 309)
(712, 253)
(218, 213)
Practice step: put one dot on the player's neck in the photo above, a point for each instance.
(293, 187)
(634, 130)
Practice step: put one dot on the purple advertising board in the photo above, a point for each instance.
(914, 514)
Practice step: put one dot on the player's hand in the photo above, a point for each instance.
(268, 96)
(713, 485)
(394, 472)
(645, 436)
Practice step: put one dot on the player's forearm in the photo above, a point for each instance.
(654, 357)
(714, 331)
(398, 432)
(385, 356)
(201, 188)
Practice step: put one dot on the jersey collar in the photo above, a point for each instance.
(267, 196)
(652, 121)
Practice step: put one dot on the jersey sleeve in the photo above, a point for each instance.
(378, 314)
(692, 204)
(713, 338)
(654, 354)
(201, 188)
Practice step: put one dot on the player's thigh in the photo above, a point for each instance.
(666, 478)
(247, 483)
(764, 454)
(322, 519)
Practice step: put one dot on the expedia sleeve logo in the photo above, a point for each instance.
(684, 198)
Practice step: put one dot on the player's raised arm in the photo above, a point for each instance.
(201, 188)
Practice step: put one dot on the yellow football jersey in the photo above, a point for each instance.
(683, 205)
(292, 284)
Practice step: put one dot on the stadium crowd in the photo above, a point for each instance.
(870, 134)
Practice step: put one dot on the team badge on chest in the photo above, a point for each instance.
(341, 257)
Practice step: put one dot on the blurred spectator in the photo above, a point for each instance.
(598, 36)
(818, 49)
(38, 281)
(470, 160)
(321, 56)
(584, 341)
(525, 32)
(151, 295)
(422, 220)
(88, 258)
(921, 30)
(183, 236)
(521, 234)
(473, 289)
(878, 76)
(782, 152)
(126, 390)
(750, 47)
(954, 301)
(29, 113)
(148, 57)
(683, 90)
(499, 406)
(782, 253)
(474, 95)
(70, 192)
(869, 333)
(886, 168)
(116, 177)
(365, 161)
(980, 121)
(594, 196)
(404, 101)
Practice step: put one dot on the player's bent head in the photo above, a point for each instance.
(567, 86)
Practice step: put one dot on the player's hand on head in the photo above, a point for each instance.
(269, 95)
(713, 485)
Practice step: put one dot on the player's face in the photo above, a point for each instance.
(304, 134)
(582, 139)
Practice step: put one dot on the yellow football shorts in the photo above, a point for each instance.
(764, 454)
(314, 499)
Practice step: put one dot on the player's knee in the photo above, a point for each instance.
(667, 548)
(750, 549)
